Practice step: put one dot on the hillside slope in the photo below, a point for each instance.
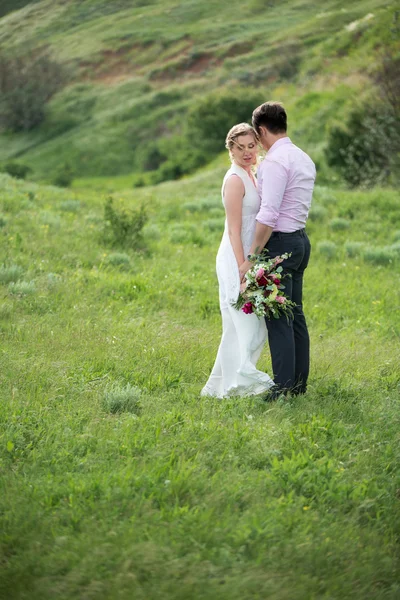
(135, 69)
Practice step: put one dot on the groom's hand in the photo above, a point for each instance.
(244, 268)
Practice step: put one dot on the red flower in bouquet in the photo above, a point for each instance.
(247, 308)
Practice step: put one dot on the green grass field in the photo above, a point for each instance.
(118, 481)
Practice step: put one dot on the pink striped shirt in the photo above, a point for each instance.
(285, 183)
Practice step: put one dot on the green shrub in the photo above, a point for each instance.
(210, 202)
(122, 227)
(395, 248)
(118, 259)
(53, 279)
(181, 234)
(327, 248)
(11, 273)
(396, 236)
(207, 204)
(72, 206)
(22, 288)
(354, 249)
(64, 176)
(140, 181)
(214, 224)
(317, 213)
(3, 221)
(191, 207)
(217, 212)
(152, 231)
(365, 150)
(11, 5)
(17, 170)
(324, 195)
(118, 399)
(152, 157)
(210, 119)
(26, 85)
(339, 224)
(48, 218)
(379, 256)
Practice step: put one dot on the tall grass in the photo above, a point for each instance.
(118, 481)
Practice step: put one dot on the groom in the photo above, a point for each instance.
(285, 181)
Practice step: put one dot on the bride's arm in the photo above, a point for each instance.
(233, 196)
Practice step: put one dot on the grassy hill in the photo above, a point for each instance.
(118, 481)
(136, 68)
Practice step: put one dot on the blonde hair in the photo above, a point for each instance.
(236, 131)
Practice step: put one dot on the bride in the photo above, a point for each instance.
(243, 335)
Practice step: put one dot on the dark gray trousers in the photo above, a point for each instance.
(289, 342)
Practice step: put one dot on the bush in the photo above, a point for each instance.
(387, 76)
(64, 177)
(210, 119)
(379, 256)
(122, 227)
(17, 170)
(354, 249)
(324, 195)
(327, 249)
(53, 279)
(152, 232)
(118, 259)
(395, 249)
(214, 225)
(185, 234)
(22, 288)
(46, 217)
(200, 139)
(120, 399)
(26, 85)
(8, 6)
(339, 224)
(365, 151)
(179, 157)
(317, 213)
(72, 206)
(11, 273)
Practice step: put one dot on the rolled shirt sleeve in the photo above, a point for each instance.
(273, 181)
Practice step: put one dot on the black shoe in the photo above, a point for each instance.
(299, 390)
(273, 394)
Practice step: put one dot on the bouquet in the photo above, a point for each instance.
(262, 290)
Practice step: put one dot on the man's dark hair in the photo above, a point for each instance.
(271, 115)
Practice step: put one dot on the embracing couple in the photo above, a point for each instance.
(269, 213)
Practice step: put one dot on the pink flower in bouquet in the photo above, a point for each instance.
(261, 278)
(247, 308)
(278, 260)
(276, 280)
(281, 299)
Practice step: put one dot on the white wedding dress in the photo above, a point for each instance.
(243, 335)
